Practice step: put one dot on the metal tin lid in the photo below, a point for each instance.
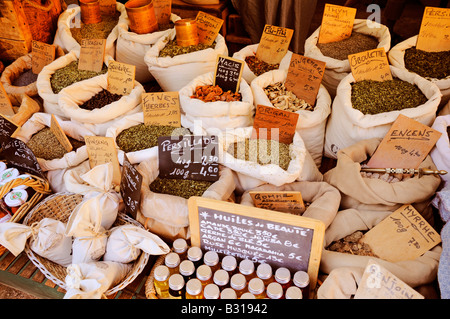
(282, 275)
(246, 267)
(172, 260)
(238, 281)
(274, 290)
(247, 295)
(161, 273)
(264, 271)
(204, 272)
(229, 263)
(211, 258)
(8, 174)
(187, 268)
(180, 245)
(256, 286)
(228, 293)
(301, 279)
(194, 287)
(221, 277)
(194, 253)
(16, 198)
(176, 282)
(293, 293)
(211, 291)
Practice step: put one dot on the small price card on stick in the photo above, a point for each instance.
(121, 77)
(92, 53)
(228, 73)
(5, 103)
(274, 44)
(59, 133)
(130, 187)
(161, 108)
(208, 27)
(337, 23)
(280, 201)
(304, 77)
(42, 54)
(103, 150)
(434, 34)
(370, 65)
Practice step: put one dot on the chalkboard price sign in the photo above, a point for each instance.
(18, 155)
(130, 187)
(228, 73)
(7, 129)
(279, 239)
(189, 157)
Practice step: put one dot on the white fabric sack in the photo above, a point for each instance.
(311, 124)
(40, 121)
(250, 50)
(167, 215)
(440, 154)
(126, 242)
(46, 238)
(88, 249)
(336, 70)
(174, 73)
(346, 125)
(397, 59)
(63, 36)
(131, 47)
(220, 114)
(92, 280)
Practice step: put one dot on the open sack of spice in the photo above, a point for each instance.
(23, 106)
(46, 238)
(433, 66)
(440, 154)
(366, 35)
(202, 101)
(71, 29)
(367, 109)
(131, 46)
(174, 66)
(321, 200)
(18, 77)
(59, 74)
(91, 104)
(254, 67)
(380, 193)
(164, 202)
(92, 280)
(268, 89)
(36, 133)
(138, 140)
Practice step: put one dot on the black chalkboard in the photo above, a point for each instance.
(17, 154)
(130, 187)
(228, 73)
(7, 128)
(189, 157)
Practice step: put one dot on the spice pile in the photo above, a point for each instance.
(211, 93)
(351, 245)
(70, 74)
(285, 100)
(141, 136)
(434, 65)
(25, 78)
(99, 100)
(258, 66)
(373, 97)
(172, 49)
(357, 42)
(179, 187)
(261, 151)
(99, 30)
(44, 144)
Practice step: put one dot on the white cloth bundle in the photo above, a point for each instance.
(126, 242)
(440, 154)
(92, 280)
(46, 237)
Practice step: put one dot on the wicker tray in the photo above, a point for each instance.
(59, 206)
(150, 291)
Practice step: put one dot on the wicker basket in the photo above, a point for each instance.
(150, 291)
(59, 206)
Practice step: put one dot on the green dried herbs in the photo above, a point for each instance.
(373, 97)
(99, 100)
(179, 187)
(261, 151)
(99, 30)
(44, 144)
(70, 74)
(141, 136)
(434, 65)
(357, 42)
(173, 49)
(258, 66)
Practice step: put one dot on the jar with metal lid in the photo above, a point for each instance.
(15, 198)
(172, 261)
(211, 291)
(229, 264)
(221, 278)
(2, 167)
(187, 270)
(283, 277)
(228, 293)
(274, 291)
(180, 247)
(264, 272)
(186, 32)
(204, 274)
(238, 283)
(293, 292)
(195, 255)
(247, 295)
(211, 258)
(247, 268)
(194, 289)
(176, 287)
(8, 175)
(257, 288)
(301, 280)
(161, 281)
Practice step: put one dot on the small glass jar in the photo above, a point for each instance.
(247, 268)
(180, 247)
(301, 280)
(161, 281)
(204, 274)
(211, 291)
(211, 259)
(221, 278)
(293, 292)
(228, 293)
(238, 283)
(195, 255)
(283, 277)
(172, 261)
(274, 291)
(8, 175)
(247, 295)
(176, 287)
(256, 287)
(229, 264)
(194, 289)
(187, 270)
(264, 272)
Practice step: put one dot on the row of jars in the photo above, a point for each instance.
(187, 273)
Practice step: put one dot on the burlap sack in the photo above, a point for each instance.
(24, 106)
(377, 195)
(324, 199)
